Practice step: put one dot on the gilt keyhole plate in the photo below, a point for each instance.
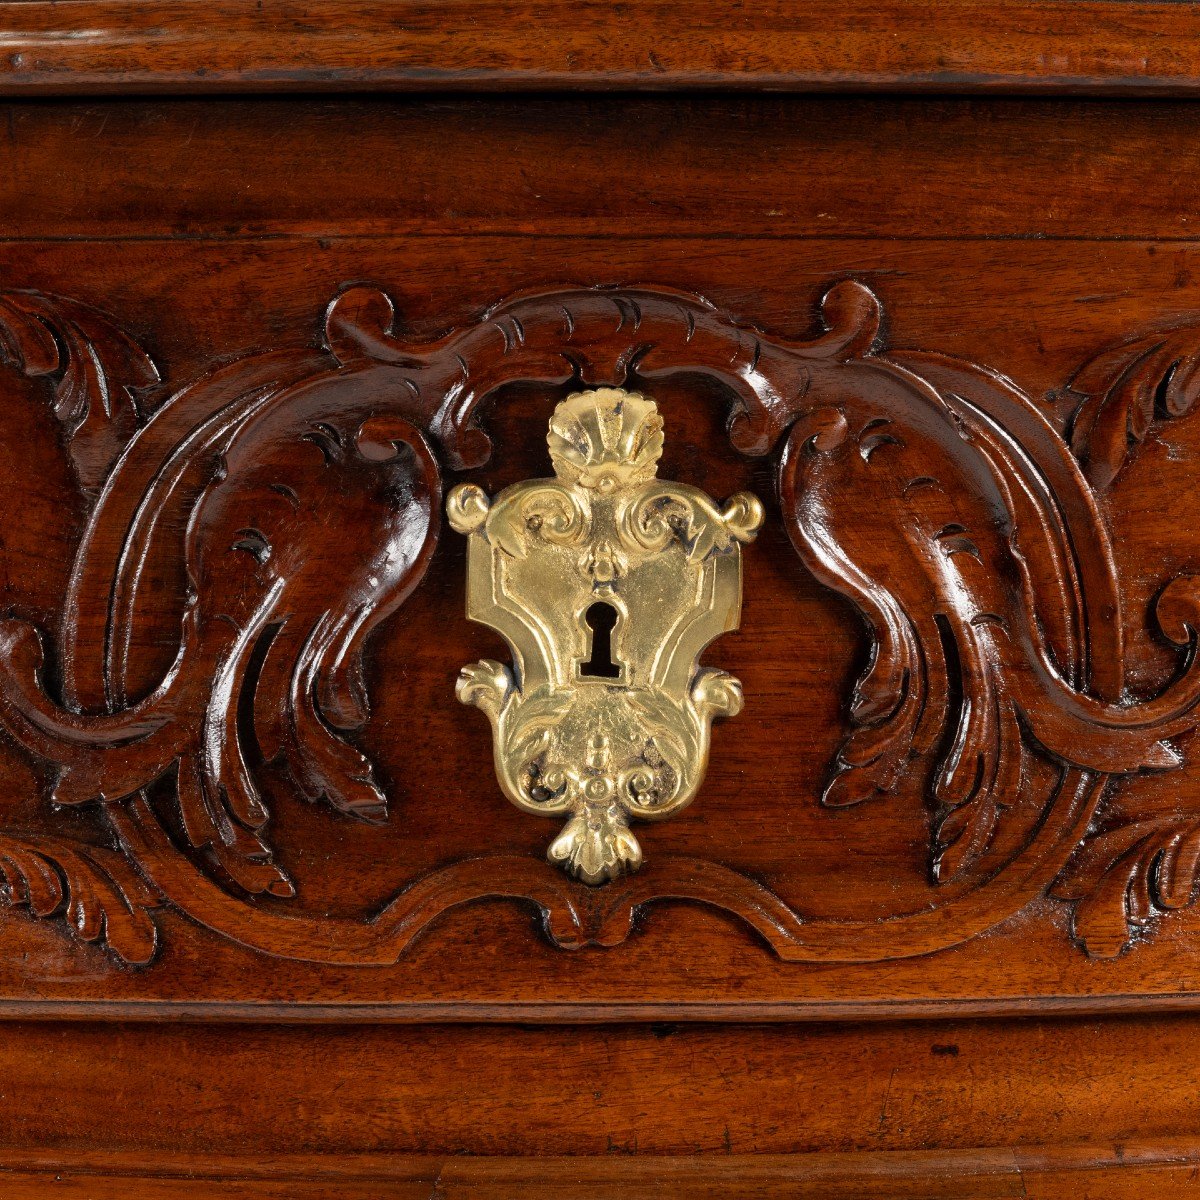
(607, 583)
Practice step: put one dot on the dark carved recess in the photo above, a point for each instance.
(928, 491)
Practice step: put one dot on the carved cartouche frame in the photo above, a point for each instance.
(993, 644)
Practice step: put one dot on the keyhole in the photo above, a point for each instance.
(601, 619)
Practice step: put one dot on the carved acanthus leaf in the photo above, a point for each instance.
(95, 890)
(934, 496)
(97, 372)
(1124, 877)
(1121, 393)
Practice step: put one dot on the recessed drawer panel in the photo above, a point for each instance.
(599, 557)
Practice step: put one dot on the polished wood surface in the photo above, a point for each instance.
(928, 927)
(1101, 46)
(980, 1109)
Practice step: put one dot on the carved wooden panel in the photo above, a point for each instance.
(278, 511)
(235, 773)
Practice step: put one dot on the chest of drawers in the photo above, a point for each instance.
(775, 420)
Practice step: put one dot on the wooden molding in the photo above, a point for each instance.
(1128, 1171)
(104, 46)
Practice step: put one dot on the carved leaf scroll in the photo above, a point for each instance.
(933, 495)
(1125, 875)
(265, 494)
(1122, 392)
(97, 371)
(93, 889)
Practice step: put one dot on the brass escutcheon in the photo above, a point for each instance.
(607, 583)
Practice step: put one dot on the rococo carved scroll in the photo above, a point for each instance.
(996, 670)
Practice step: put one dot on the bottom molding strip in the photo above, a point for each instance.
(1047, 1172)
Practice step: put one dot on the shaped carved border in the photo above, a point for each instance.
(929, 492)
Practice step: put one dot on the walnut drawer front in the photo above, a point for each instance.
(251, 344)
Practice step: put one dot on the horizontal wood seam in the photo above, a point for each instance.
(966, 1163)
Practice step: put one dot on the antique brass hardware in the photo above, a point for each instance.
(607, 584)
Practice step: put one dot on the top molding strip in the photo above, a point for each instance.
(1102, 47)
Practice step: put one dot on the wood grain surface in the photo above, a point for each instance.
(967, 1109)
(1106, 46)
(1066, 1173)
